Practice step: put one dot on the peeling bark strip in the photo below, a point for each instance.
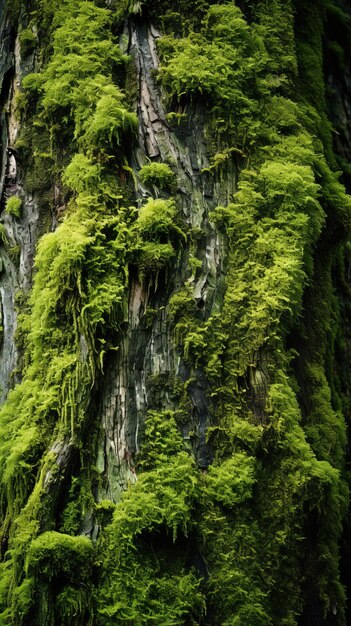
(175, 320)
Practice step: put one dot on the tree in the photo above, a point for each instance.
(173, 445)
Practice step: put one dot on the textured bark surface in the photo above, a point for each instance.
(18, 258)
(147, 350)
(193, 467)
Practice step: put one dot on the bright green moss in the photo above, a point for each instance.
(110, 123)
(160, 235)
(286, 192)
(157, 175)
(185, 74)
(52, 552)
(159, 503)
(230, 483)
(162, 438)
(77, 297)
(14, 206)
(157, 220)
(152, 257)
(82, 174)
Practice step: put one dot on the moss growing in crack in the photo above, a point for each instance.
(153, 257)
(157, 221)
(79, 503)
(160, 235)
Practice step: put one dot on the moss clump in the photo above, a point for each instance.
(82, 174)
(53, 553)
(157, 175)
(159, 235)
(206, 63)
(66, 562)
(232, 482)
(157, 221)
(28, 42)
(153, 257)
(14, 206)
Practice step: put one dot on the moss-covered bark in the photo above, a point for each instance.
(174, 446)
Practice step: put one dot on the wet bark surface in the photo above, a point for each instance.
(20, 235)
(148, 350)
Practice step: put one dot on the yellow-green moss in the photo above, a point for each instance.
(14, 206)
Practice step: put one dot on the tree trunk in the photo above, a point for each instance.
(175, 310)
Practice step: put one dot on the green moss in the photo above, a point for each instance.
(160, 502)
(160, 234)
(3, 234)
(181, 541)
(24, 598)
(80, 502)
(82, 174)
(74, 605)
(157, 220)
(325, 428)
(28, 42)
(286, 195)
(55, 557)
(14, 253)
(109, 125)
(231, 483)
(157, 175)
(153, 257)
(14, 206)
(52, 553)
(77, 299)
